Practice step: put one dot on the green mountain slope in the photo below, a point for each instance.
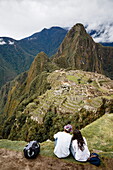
(99, 134)
(6, 72)
(14, 59)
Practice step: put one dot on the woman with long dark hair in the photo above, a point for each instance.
(79, 148)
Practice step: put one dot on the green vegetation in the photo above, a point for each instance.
(12, 145)
(47, 148)
(22, 127)
(13, 61)
(79, 79)
(99, 134)
(6, 72)
(72, 78)
(7, 126)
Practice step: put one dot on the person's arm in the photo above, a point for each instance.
(74, 145)
(55, 135)
(85, 140)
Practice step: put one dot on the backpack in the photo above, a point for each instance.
(94, 159)
(31, 150)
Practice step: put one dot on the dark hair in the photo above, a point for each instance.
(78, 136)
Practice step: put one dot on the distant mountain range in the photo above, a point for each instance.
(48, 41)
(17, 56)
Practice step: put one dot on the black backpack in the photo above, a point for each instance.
(94, 159)
(31, 150)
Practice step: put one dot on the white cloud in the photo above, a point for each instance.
(21, 18)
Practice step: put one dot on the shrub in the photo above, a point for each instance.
(7, 126)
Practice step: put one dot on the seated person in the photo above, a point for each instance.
(62, 142)
(79, 147)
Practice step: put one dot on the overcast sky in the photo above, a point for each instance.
(22, 18)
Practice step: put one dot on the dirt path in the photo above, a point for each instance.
(12, 160)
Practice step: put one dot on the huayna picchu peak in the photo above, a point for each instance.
(79, 51)
(78, 28)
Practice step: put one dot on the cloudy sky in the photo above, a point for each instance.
(22, 18)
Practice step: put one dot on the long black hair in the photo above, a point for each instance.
(78, 136)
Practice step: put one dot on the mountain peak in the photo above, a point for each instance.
(41, 55)
(77, 29)
(79, 51)
(38, 64)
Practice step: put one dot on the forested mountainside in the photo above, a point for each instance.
(17, 56)
(14, 59)
(48, 41)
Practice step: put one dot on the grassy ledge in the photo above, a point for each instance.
(99, 135)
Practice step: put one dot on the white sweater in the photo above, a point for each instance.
(77, 153)
(63, 144)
